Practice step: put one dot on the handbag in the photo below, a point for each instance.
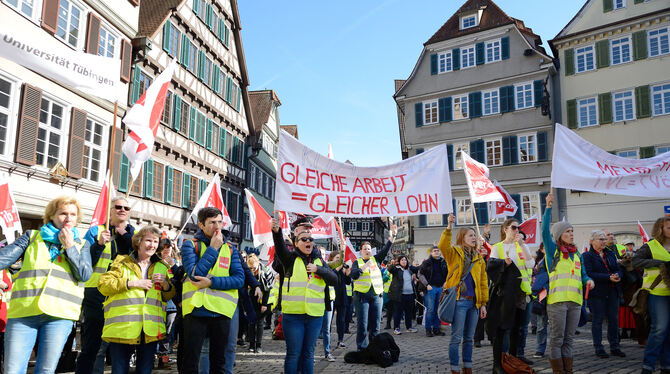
(512, 365)
(447, 305)
(638, 302)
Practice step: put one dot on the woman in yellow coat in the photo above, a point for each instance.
(137, 288)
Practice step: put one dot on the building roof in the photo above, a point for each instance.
(492, 17)
(261, 103)
(291, 129)
(152, 15)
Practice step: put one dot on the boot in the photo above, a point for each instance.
(557, 366)
(567, 365)
(455, 372)
(466, 371)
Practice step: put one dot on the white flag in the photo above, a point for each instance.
(212, 197)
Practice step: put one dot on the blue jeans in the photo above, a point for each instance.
(523, 331)
(325, 329)
(368, 315)
(203, 365)
(20, 335)
(542, 326)
(466, 316)
(432, 300)
(658, 343)
(121, 357)
(300, 332)
(602, 307)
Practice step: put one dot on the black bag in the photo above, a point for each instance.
(382, 351)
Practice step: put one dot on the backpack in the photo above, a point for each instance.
(513, 365)
(278, 333)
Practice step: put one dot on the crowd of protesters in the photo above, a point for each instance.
(135, 295)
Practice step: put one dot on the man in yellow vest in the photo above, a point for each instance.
(105, 246)
(612, 245)
(369, 290)
(209, 296)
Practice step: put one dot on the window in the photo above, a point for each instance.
(464, 212)
(93, 150)
(628, 153)
(524, 95)
(137, 184)
(173, 43)
(658, 42)
(460, 107)
(351, 226)
(195, 194)
(247, 227)
(620, 50)
(490, 102)
(23, 6)
(106, 43)
(468, 21)
(530, 205)
(467, 57)
(69, 17)
(434, 220)
(458, 158)
(494, 152)
(167, 110)
(584, 59)
(587, 112)
(158, 181)
(623, 106)
(177, 184)
(222, 84)
(207, 72)
(493, 51)
(494, 220)
(365, 226)
(444, 62)
(430, 112)
(660, 99)
(527, 148)
(618, 4)
(185, 110)
(252, 177)
(662, 149)
(49, 133)
(144, 83)
(5, 96)
(192, 57)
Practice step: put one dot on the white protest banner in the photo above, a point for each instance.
(93, 74)
(580, 165)
(310, 183)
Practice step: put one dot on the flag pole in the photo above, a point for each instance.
(111, 166)
(474, 213)
(132, 181)
(184, 226)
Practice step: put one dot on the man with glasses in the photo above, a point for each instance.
(106, 244)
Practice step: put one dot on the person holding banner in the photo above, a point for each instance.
(567, 279)
(304, 294)
(47, 292)
(369, 290)
(654, 258)
(473, 292)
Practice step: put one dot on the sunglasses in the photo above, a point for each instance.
(306, 239)
(119, 207)
(514, 227)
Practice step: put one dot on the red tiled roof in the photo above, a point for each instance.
(291, 129)
(152, 15)
(261, 103)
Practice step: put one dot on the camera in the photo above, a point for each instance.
(345, 266)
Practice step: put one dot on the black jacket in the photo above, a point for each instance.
(504, 294)
(343, 281)
(426, 271)
(596, 270)
(395, 290)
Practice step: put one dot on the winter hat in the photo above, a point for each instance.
(559, 228)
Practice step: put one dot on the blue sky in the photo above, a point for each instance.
(332, 63)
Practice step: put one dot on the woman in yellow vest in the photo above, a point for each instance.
(304, 294)
(48, 290)
(654, 258)
(565, 296)
(510, 268)
(473, 291)
(137, 288)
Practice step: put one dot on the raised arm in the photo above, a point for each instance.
(549, 244)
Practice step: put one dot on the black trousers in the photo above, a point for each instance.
(255, 331)
(196, 329)
(407, 306)
(512, 334)
(91, 338)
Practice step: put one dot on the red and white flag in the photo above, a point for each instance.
(503, 208)
(261, 227)
(143, 120)
(323, 228)
(9, 213)
(282, 217)
(213, 197)
(349, 253)
(531, 228)
(480, 186)
(643, 232)
(102, 207)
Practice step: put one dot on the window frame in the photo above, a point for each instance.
(350, 224)
(664, 91)
(80, 27)
(63, 132)
(103, 148)
(527, 93)
(430, 109)
(630, 98)
(159, 181)
(458, 148)
(175, 41)
(494, 92)
(621, 44)
(661, 148)
(498, 146)
(468, 54)
(177, 187)
(464, 207)
(615, 7)
(448, 62)
(465, 18)
(592, 53)
(116, 43)
(461, 99)
(658, 36)
(33, 16)
(433, 220)
(365, 226)
(579, 107)
(491, 44)
(494, 220)
(529, 198)
(626, 153)
(166, 117)
(533, 145)
(10, 111)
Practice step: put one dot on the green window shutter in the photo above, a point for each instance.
(643, 101)
(169, 188)
(538, 91)
(571, 107)
(215, 78)
(135, 93)
(124, 173)
(239, 99)
(202, 126)
(192, 125)
(186, 191)
(479, 51)
(608, 5)
(647, 152)
(433, 64)
(456, 59)
(226, 37)
(176, 110)
(639, 45)
(185, 44)
(195, 6)
(222, 141)
(602, 53)
(166, 35)
(229, 89)
(210, 129)
(244, 154)
(605, 108)
(148, 178)
(201, 65)
(203, 187)
(569, 61)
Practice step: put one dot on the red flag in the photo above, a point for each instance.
(349, 253)
(530, 227)
(212, 197)
(643, 233)
(480, 186)
(323, 229)
(101, 207)
(260, 225)
(282, 216)
(503, 208)
(9, 214)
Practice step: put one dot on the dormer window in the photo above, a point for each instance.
(469, 21)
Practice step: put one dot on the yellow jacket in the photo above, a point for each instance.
(454, 257)
(112, 282)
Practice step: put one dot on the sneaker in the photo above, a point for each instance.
(602, 354)
(252, 350)
(618, 353)
(412, 329)
(429, 334)
(438, 332)
(527, 361)
(396, 332)
(258, 350)
(329, 358)
(538, 355)
(341, 345)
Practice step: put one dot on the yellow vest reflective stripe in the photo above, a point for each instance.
(304, 294)
(129, 313)
(217, 301)
(45, 287)
(658, 252)
(387, 284)
(103, 262)
(565, 281)
(372, 277)
(272, 299)
(331, 289)
(526, 274)
(350, 290)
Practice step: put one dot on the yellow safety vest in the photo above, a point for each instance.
(218, 301)
(350, 290)
(387, 284)
(526, 274)
(45, 287)
(658, 252)
(372, 277)
(103, 262)
(129, 313)
(272, 299)
(621, 249)
(303, 293)
(565, 281)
